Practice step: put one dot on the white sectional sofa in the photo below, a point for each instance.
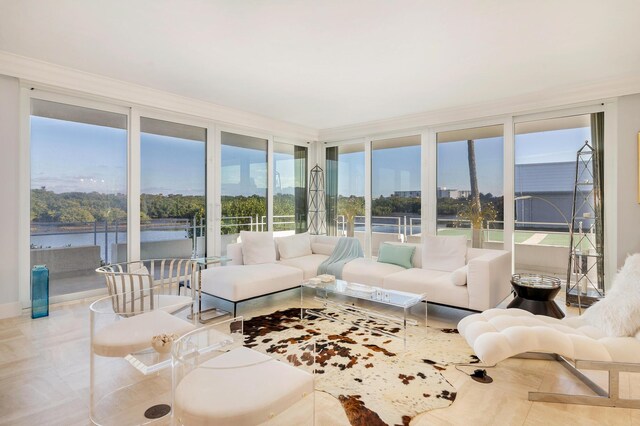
(487, 275)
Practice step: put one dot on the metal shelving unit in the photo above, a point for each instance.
(585, 273)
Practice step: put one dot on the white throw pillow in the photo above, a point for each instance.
(444, 253)
(257, 247)
(618, 314)
(459, 276)
(294, 246)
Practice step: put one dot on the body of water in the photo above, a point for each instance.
(87, 239)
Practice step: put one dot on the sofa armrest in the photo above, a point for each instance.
(489, 279)
(234, 254)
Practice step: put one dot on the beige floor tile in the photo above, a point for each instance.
(479, 404)
(44, 376)
(67, 413)
(546, 414)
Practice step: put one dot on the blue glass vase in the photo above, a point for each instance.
(39, 291)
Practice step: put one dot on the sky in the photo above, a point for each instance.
(60, 151)
(399, 168)
(68, 156)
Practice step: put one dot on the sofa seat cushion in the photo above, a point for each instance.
(240, 387)
(368, 271)
(436, 284)
(240, 282)
(133, 334)
(307, 264)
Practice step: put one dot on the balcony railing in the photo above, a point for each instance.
(105, 234)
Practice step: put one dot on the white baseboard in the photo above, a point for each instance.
(11, 309)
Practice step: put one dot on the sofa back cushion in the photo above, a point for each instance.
(396, 254)
(323, 244)
(442, 253)
(294, 246)
(322, 248)
(257, 247)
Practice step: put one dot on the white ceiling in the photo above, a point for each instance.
(330, 63)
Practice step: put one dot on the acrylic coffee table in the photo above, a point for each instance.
(339, 295)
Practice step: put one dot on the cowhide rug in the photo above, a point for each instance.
(376, 379)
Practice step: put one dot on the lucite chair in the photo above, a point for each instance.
(130, 373)
(218, 381)
(169, 279)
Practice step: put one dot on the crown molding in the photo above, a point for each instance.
(577, 95)
(70, 81)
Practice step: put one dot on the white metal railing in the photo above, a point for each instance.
(256, 223)
(403, 226)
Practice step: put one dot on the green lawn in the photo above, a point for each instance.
(561, 240)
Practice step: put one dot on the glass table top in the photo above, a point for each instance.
(388, 297)
(535, 281)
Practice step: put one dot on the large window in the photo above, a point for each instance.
(545, 167)
(244, 186)
(78, 193)
(470, 184)
(172, 185)
(289, 189)
(345, 191)
(395, 191)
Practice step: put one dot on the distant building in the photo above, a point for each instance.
(407, 194)
(541, 186)
(453, 193)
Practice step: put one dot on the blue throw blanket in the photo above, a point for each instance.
(347, 249)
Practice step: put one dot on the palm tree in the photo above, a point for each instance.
(473, 212)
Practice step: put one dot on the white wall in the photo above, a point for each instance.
(628, 209)
(9, 159)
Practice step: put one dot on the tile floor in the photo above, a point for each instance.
(44, 377)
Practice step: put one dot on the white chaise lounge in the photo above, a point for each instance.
(605, 337)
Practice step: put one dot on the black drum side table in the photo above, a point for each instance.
(535, 293)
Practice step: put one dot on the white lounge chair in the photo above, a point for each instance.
(606, 337)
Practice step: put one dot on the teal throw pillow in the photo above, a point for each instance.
(396, 254)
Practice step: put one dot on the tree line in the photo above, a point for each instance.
(69, 207)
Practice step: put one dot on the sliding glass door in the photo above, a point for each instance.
(78, 193)
(243, 186)
(172, 190)
(396, 196)
(289, 189)
(345, 186)
(470, 195)
(545, 167)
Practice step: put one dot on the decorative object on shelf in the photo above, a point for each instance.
(317, 212)
(162, 342)
(39, 291)
(585, 272)
(535, 293)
